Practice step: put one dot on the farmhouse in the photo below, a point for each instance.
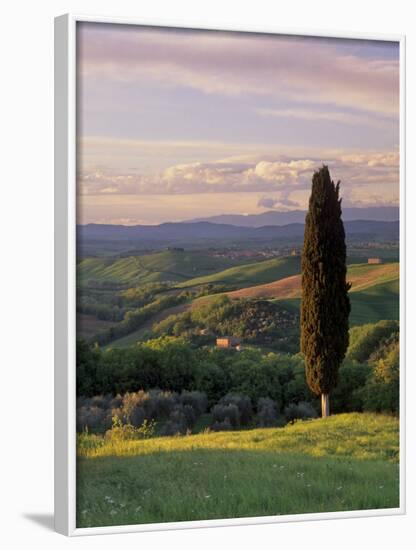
(375, 261)
(229, 342)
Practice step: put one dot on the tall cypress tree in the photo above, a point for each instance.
(325, 303)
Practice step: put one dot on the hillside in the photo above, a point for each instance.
(251, 274)
(374, 293)
(169, 265)
(361, 276)
(373, 304)
(345, 462)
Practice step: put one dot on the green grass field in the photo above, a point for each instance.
(375, 302)
(250, 274)
(169, 265)
(345, 462)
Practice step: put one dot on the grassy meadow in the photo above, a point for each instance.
(345, 462)
(168, 265)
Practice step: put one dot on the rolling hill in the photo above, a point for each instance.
(169, 265)
(361, 276)
(374, 294)
(251, 274)
(375, 303)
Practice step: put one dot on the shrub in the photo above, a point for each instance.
(223, 426)
(180, 420)
(131, 409)
(365, 340)
(299, 411)
(267, 414)
(195, 399)
(159, 404)
(243, 404)
(94, 419)
(347, 395)
(228, 413)
(382, 390)
(89, 442)
(115, 402)
(123, 432)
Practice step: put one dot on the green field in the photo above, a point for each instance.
(252, 274)
(345, 462)
(169, 265)
(373, 302)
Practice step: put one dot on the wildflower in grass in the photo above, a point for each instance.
(339, 488)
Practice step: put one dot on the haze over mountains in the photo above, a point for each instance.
(212, 234)
(274, 217)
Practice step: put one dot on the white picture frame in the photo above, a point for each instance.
(65, 280)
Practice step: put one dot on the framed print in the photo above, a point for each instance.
(229, 284)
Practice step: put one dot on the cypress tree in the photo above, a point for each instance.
(325, 306)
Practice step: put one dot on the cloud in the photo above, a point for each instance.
(259, 174)
(280, 203)
(326, 72)
(308, 115)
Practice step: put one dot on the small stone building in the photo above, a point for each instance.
(228, 342)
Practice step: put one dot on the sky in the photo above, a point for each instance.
(179, 124)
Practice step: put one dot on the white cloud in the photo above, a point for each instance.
(255, 174)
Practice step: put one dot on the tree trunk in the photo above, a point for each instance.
(325, 405)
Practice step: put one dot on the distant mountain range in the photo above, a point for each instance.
(272, 217)
(191, 232)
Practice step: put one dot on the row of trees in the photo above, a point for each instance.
(171, 364)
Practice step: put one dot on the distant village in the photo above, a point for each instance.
(250, 254)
